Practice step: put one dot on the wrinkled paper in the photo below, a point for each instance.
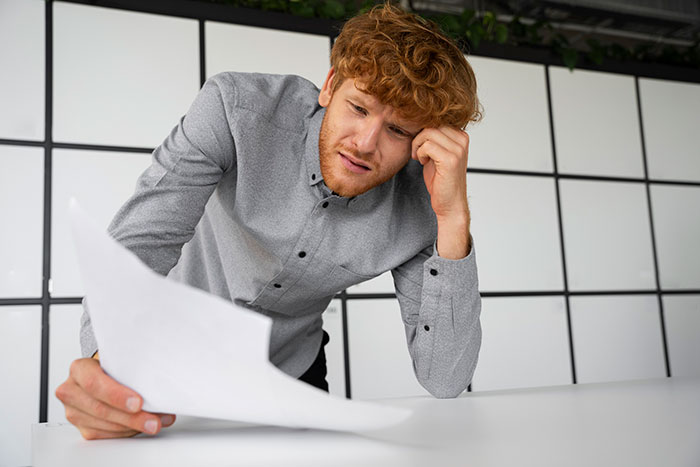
(189, 352)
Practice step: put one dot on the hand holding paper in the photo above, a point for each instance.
(189, 352)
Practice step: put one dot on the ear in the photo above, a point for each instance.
(324, 98)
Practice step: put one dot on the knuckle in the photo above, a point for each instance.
(71, 415)
(61, 392)
(74, 367)
(91, 384)
(99, 410)
(88, 434)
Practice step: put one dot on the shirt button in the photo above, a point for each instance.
(426, 327)
(433, 272)
(325, 205)
(302, 254)
(277, 286)
(313, 176)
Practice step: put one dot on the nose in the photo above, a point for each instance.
(366, 136)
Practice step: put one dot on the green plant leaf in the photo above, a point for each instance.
(517, 28)
(488, 21)
(570, 57)
(501, 32)
(299, 8)
(467, 16)
(332, 9)
(475, 33)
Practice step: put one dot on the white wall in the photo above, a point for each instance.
(115, 90)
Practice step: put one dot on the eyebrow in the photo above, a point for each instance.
(362, 101)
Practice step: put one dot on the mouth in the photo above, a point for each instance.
(353, 164)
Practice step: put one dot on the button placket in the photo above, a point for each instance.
(296, 266)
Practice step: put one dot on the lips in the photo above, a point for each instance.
(353, 164)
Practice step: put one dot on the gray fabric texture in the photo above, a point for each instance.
(234, 203)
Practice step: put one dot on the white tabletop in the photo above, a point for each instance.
(653, 422)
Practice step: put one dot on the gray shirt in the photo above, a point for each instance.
(234, 203)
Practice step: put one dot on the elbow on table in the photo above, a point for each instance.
(445, 388)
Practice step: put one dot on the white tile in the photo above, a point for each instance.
(617, 338)
(671, 117)
(121, 78)
(596, 123)
(383, 283)
(607, 236)
(524, 344)
(380, 365)
(682, 321)
(232, 47)
(22, 80)
(101, 182)
(20, 367)
(514, 133)
(335, 354)
(677, 230)
(515, 226)
(64, 347)
(22, 214)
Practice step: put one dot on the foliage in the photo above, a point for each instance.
(470, 30)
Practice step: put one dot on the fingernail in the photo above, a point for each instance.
(150, 426)
(132, 404)
(166, 419)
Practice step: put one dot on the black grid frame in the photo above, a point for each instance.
(223, 13)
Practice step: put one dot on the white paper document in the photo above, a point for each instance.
(189, 352)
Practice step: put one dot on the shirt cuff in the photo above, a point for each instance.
(442, 275)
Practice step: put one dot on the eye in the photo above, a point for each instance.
(357, 108)
(399, 132)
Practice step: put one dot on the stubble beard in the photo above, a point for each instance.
(336, 177)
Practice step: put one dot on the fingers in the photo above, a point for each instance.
(79, 403)
(102, 408)
(444, 140)
(88, 374)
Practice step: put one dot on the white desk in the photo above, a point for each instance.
(653, 422)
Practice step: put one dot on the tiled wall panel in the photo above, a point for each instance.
(514, 133)
(121, 78)
(64, 347)
(20, 347)
(607, 235)
(676, 211)
(101, 182)
(671, 118)
(233, 47)
(524, 343)
(380, 365)
(682, 318)
(596, 123)
(617, 338)
(22, 220)
(515, 225)
(22, 80)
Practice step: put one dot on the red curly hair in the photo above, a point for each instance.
(406, 61)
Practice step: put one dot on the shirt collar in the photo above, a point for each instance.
(313, 162)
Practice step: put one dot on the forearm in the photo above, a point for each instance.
(453, 236)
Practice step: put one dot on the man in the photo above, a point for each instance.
(283, 195)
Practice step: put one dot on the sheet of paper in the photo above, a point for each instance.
(192, 353)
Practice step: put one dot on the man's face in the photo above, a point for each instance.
(362, 143)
